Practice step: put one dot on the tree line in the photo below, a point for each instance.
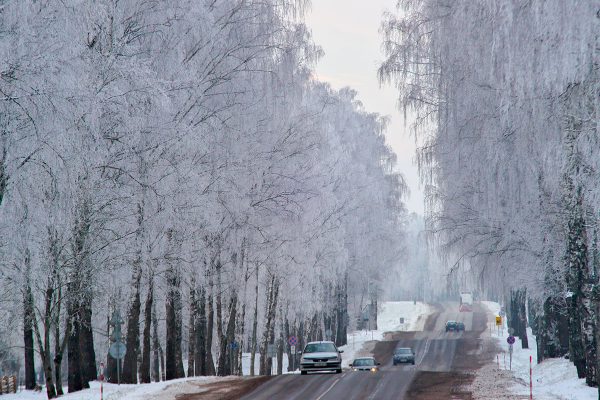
(177, 162)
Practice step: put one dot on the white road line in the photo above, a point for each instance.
(427, 342)
(328, 389)
(377, 388)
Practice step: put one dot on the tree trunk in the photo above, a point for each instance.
(145, 367)
(210, 365)
(200, 347)
(280, 342)
(266, 363)
(75, 379)
(156, 350)
(225, 359)
(192, 329)
(173, 304)
(129, 373)
(28, 345)
(86, 341)
(254, 327)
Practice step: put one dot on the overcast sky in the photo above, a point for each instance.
(348, 32)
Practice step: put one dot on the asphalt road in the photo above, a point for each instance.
(435, 349)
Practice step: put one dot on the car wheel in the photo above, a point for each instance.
(394, 363)
(303, 372)
(413, 363)
(338, 371)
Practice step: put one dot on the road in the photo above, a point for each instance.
(440, 356)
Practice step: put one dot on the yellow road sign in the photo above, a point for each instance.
(498, 320)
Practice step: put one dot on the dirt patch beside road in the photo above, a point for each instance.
(226, 390)
(440, 386)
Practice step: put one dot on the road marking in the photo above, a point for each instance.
(427, 342)
(328, 389)
(377, 388)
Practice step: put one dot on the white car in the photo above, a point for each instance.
(321, 356)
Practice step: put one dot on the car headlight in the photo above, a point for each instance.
(373, 369)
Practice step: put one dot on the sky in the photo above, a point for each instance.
(348, 32)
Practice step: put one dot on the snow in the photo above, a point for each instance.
(166, 390)
(553, 379)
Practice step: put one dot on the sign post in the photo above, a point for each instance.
(233, 346)
(293, 341)
(117, 349)
(510, 340)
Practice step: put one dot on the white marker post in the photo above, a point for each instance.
(530, 381)
(101, 378)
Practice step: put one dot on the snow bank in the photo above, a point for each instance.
(150, 391)
(553, 379)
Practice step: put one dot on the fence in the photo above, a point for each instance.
(8, 384)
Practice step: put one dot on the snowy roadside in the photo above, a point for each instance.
(553, 379)
(166, 390)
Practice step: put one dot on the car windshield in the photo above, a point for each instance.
(450, 322)
(404, 351)
(320, 348)
(363, 362)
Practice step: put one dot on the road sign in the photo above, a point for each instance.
(502, 313)
(401, 320)
(292, 340)
(510, 340)
(117, 350)
(270, 350)
(233, 345)
(511, 331)
(498, 320)
(292, 349)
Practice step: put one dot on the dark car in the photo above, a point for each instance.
(365, 364)
(451, 326)
(404, 355)
(455, 326)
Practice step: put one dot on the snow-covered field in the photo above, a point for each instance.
(359, 343)
(553, 379)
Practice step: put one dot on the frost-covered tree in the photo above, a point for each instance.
(502, 98)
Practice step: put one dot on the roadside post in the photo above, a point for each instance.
(510, 340)
(530, 381)
(101, 379)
